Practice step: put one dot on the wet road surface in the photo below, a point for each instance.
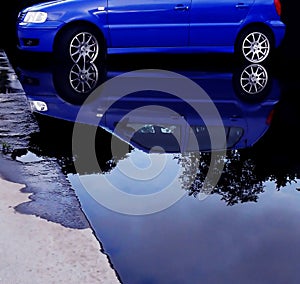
(33, 249)
(53, 197)
(245, 231)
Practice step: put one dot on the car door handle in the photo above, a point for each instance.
(181, 7)
(241, 5)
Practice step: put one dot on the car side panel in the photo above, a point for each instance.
(215, 23)
(148, 23)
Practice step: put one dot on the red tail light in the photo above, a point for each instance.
(277, 4)
(270, 117)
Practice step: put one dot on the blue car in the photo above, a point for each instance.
(88, 30)
(245, 99)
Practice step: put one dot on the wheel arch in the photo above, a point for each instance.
(98, 32)
(253, 26)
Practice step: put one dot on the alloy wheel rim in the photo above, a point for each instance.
(83, 77)
(84, 47)
(256, 47)
(254, 79)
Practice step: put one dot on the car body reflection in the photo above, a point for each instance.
(244, 98)
(246, 216)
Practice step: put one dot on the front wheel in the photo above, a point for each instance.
(255, 45)
(80, 45)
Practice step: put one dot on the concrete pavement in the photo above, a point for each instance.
(34, 250)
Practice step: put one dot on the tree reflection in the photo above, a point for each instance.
(47, 142)
(274, 158)
(277, 154)
(238, 182)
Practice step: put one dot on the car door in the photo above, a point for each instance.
(215, 22)
(148, 23)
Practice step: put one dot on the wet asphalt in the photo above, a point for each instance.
(52, 197)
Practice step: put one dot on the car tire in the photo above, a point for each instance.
(80, 45)
(252, 83)
(255, 45)
(75, 82)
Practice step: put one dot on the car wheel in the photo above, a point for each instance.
(75, 82)
(80, 45)
(252, 83)
(255, 45)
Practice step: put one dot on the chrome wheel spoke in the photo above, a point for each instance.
(254, 79)
(256, 47)
(84, 46)
(83, 77)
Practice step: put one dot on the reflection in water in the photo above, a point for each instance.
(254, 79)
(280, 160)
(201, 241)
(74, 83)
(239, 182)
(173, 124)
(45, 143)
(245, 99)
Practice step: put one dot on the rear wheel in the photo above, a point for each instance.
(252, 83)
(255, 45)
